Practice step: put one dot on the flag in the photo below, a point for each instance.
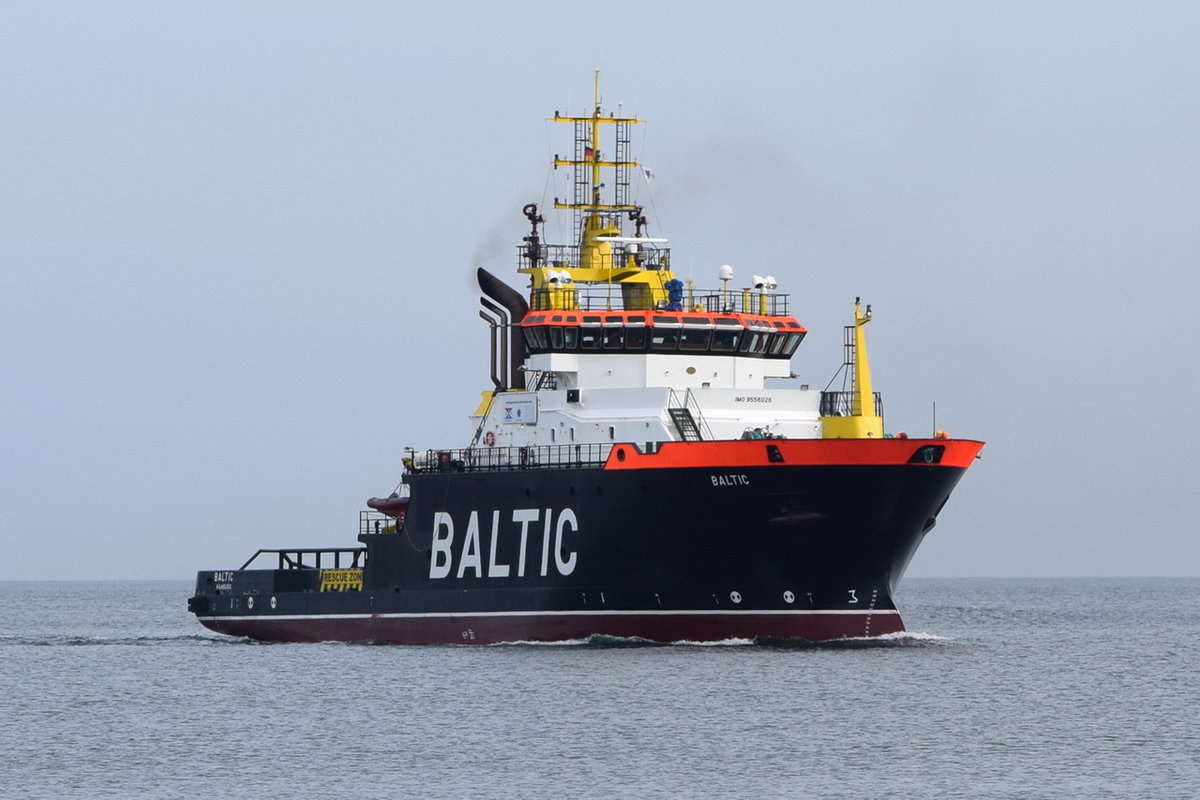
(648, 174)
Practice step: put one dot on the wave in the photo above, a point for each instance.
(885, 640)
(600, 642)
(77, 640)
(900, 639)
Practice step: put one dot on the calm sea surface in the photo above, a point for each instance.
(1006, 688)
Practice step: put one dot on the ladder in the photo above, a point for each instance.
(685, 423)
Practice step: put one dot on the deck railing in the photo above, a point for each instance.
(494, 459)
(840, 404)
(609, 297)
(649, 256)
(314, 558)
(374, 522)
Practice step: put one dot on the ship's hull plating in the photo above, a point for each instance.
(806, 541)
(547, 626)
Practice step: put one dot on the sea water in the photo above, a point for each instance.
(1004, 688)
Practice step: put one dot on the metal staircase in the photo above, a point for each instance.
(685, 423)
(686, 415)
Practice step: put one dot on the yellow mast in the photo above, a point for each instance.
(595, 254)
(863, 422)
(596, 138)
(597, 260)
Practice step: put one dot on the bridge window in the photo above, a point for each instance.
(694, 339)
(635, 338)
(793, 341)
(535, 338)
(589, 338)
(556, 337)
(663, 338)
(725, 341)
(614, 337)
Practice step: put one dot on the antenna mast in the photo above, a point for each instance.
(592, 216)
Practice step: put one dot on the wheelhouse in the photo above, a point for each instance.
(749, 335)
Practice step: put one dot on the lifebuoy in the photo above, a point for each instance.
(489, 439)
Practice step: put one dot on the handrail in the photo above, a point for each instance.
(652, 257)
(376, 522)
(840, 404)
(591, 455)
(601, 298)
(293, 558)
(692, 405)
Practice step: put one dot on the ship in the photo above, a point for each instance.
(644, 465)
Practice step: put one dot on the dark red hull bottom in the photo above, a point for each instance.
(495, 628)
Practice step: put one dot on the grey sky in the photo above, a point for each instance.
(237, 240)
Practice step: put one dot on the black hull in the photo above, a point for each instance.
(680, 553)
